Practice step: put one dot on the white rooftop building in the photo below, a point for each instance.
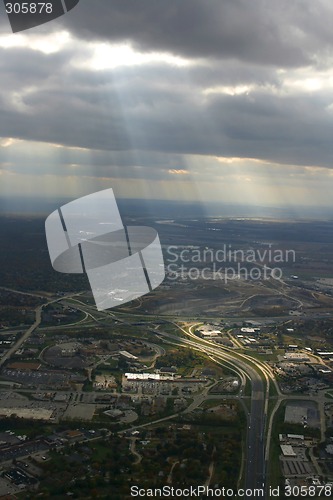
(287, 450)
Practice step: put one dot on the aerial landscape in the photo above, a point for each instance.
(208, 381)
(209, 124)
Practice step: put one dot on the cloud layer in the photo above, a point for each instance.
(181, 93)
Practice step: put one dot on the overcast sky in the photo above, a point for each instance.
(228, 100)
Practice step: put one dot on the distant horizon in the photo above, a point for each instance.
(40, 206)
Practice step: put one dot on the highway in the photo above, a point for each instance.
(260, 375)
(255, 463)
(254, 470)
(32, 328)
(23, 337)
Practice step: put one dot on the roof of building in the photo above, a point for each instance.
(73, 434)
(287, 450)
(128, 355)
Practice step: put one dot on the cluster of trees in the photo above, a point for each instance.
(30, 427)
(24, 250)
(105, 466)
(13, 316)
(192, 453)
(183, 357)
(19, 299)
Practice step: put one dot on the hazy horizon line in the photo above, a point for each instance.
(42, 206)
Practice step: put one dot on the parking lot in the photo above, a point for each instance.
(22, 450)
(80, 411)
(39, 409)
(7, 488)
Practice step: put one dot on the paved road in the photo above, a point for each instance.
(24, 337)
(38, 319)
(255, 463)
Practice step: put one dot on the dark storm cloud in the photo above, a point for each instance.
(19, 66)
(231, 72)
(53, 103)
(278, 33)
(281, 33)
(160, 108)
(141, 111)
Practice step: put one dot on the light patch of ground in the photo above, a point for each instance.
(31, 413)
(80, 411)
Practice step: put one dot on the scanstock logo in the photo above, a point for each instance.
(122, 262)
(23, 15)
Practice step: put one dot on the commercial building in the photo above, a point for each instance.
(128, 355)
(287, 450)
(296, 356)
